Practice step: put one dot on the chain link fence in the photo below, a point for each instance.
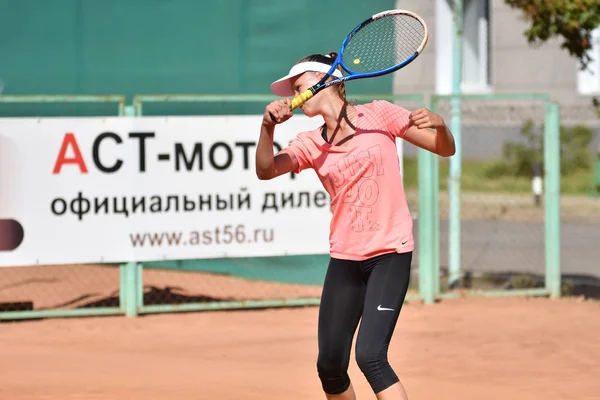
(502, 228)
(503, 213)
(59, 290)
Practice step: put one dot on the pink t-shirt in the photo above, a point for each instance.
(370, 212)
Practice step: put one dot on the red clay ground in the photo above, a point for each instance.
(525, 349)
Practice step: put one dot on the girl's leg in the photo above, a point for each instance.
(339, 312)
(388, 279)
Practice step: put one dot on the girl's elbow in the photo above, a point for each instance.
(264, 175)
(447, 152)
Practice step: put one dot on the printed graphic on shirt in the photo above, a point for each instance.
(359, 172)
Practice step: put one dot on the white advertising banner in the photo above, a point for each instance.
(89, 190)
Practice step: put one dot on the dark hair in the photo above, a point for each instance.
(327, 59)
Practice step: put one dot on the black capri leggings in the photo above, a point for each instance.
(373, 289)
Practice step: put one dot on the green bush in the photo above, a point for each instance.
(521, 159)
(575, 149)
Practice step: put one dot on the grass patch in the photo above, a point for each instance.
(475, 179)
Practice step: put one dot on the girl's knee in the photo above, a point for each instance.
(368, 361)
(333, 374)
(376, 368)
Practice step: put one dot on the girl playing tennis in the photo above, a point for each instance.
(371, 242)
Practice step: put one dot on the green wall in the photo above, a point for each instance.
(169, 46)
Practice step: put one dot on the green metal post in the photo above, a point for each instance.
(122, 286)
(596, 178)
(139, 287)
(425, 244)
(435, 165)
(138, 108)
(129, 288)
(435, 210)
(128, 111)
(552, 198)
(454, 238)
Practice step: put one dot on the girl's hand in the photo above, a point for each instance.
(277, 112)
(423, 118)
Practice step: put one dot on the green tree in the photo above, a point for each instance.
(570, 20)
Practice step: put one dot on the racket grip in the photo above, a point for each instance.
(301, 98)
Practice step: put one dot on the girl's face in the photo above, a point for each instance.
(301, 83)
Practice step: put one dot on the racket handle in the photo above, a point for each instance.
(301, 98)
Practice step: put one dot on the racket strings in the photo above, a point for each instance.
(383, 43)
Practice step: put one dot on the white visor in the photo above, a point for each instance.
(283, 86)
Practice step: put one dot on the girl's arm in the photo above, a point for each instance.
(419, 133)
(268, 164)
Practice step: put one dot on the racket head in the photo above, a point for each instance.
(383, 43)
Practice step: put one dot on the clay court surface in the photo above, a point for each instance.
(458, 349)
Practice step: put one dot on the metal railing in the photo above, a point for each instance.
(72, 99)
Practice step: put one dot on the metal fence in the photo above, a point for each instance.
(493, 237)
(190, 285)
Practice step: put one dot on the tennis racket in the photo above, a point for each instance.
(382, 44)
